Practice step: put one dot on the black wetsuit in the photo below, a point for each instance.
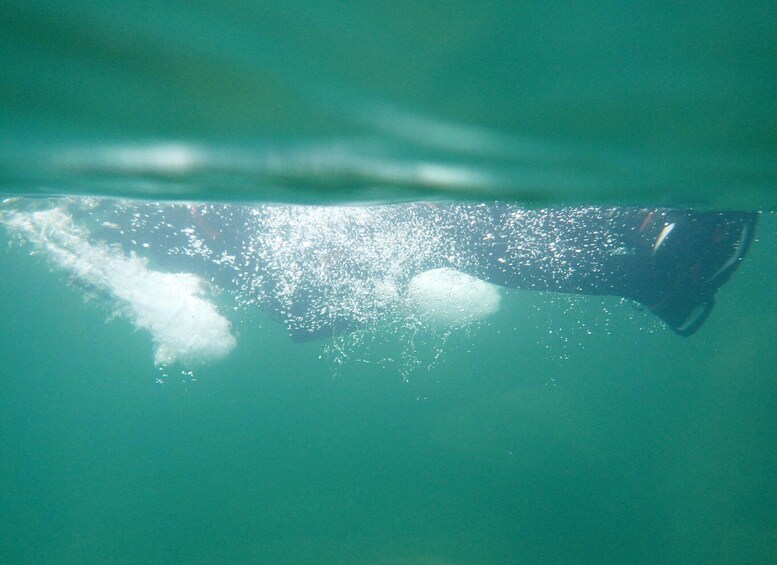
(309, 266)
(671, 261)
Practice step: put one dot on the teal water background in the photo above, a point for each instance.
(562, 431)
(563, 102)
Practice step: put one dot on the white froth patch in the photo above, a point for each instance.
(451, 298)
(184, 325)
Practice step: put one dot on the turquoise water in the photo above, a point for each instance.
(561, 430)
(597, 103)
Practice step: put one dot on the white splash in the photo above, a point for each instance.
(451, 298)
(184, 325)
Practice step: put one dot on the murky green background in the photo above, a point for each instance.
(530, 441)
(606, 102)
(563, 431)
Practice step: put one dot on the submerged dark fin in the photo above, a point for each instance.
(696, 253)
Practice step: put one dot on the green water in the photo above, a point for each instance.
(561, 431)
(601, 102)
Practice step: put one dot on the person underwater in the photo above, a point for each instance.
(324, 270)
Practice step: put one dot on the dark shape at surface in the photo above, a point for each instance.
(322, 270)
(671, 261)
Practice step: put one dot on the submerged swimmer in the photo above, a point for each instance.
(321, 270)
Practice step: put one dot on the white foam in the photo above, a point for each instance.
(184, 325)
(451, 298)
